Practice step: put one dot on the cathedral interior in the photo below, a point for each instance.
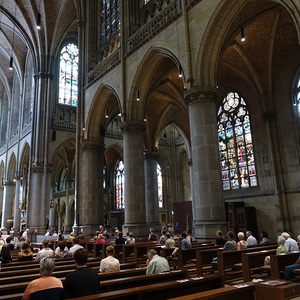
(142, 113)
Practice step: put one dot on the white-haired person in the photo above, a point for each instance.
(290, 243)
(281, 249)
(47, 286)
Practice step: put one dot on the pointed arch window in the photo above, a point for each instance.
(110, 18)
(68, 75)
(235, 144)
(296, 99)
(119, 186)
(159, 186)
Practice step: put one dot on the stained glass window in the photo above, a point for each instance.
(110, 19)
(68, 75)
(235, 144)
(297, 96)
(159, 185)
(119, 180)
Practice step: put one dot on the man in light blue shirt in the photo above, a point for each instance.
(251, 240)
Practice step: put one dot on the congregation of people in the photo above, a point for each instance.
(85, 281)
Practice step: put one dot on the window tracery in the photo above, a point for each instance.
(235, 144)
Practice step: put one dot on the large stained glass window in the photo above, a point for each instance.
(68, 75)
(110, 19)
(159, 186)
(119, 191)
(235, 144)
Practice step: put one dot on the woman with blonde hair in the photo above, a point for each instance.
(242, 244)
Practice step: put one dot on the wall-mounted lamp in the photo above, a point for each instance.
(11, 63)
(180, 71)
(242, 34)
(138, 95)
(106, 113)
(38, 21)
(83, 125)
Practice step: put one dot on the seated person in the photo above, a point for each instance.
(26, 253)
(169, 243)
(62, 250)
(110, 263)
(281, 249)
(120, 239)
(185, 244)
(289, 270)
(47, 286)
(242, 244)
(83, 281)
(220, 240)
(100, 239)
(130, 239)
(5, 256)
(45, 251)
(75, 247)
(231, 243)
(156, 264)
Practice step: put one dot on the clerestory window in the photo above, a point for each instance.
(68, 75)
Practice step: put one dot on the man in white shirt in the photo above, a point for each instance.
(45, 251)
(290, 243)
(75, 247)
(25, 235)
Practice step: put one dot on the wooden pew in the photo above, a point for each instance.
(279, 262)
(160, 291)
(253, 261)
(133, 281)
(230, 258)
(20, 286)
(236, 292)
(189, 255)
(204, 258)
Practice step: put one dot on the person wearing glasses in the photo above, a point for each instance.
(47, 286)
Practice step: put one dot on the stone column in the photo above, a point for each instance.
(68, 221)
(208, 203)
(281, 204)
(90, 199)
(17, 210)
(135, 208)
(38, 200)
(8, 199)
(151, 191)
(1, 196)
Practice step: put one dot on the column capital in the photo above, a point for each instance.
(133, 125)
(151, 155)
(91, 146)
(201, 94)
(37, 168)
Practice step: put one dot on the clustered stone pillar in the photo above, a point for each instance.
(8, 198)
(135, 208)
(90, 199)
(151, 192)
(208, 203)
(38, 201)
(17, 211)
(281, 204)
